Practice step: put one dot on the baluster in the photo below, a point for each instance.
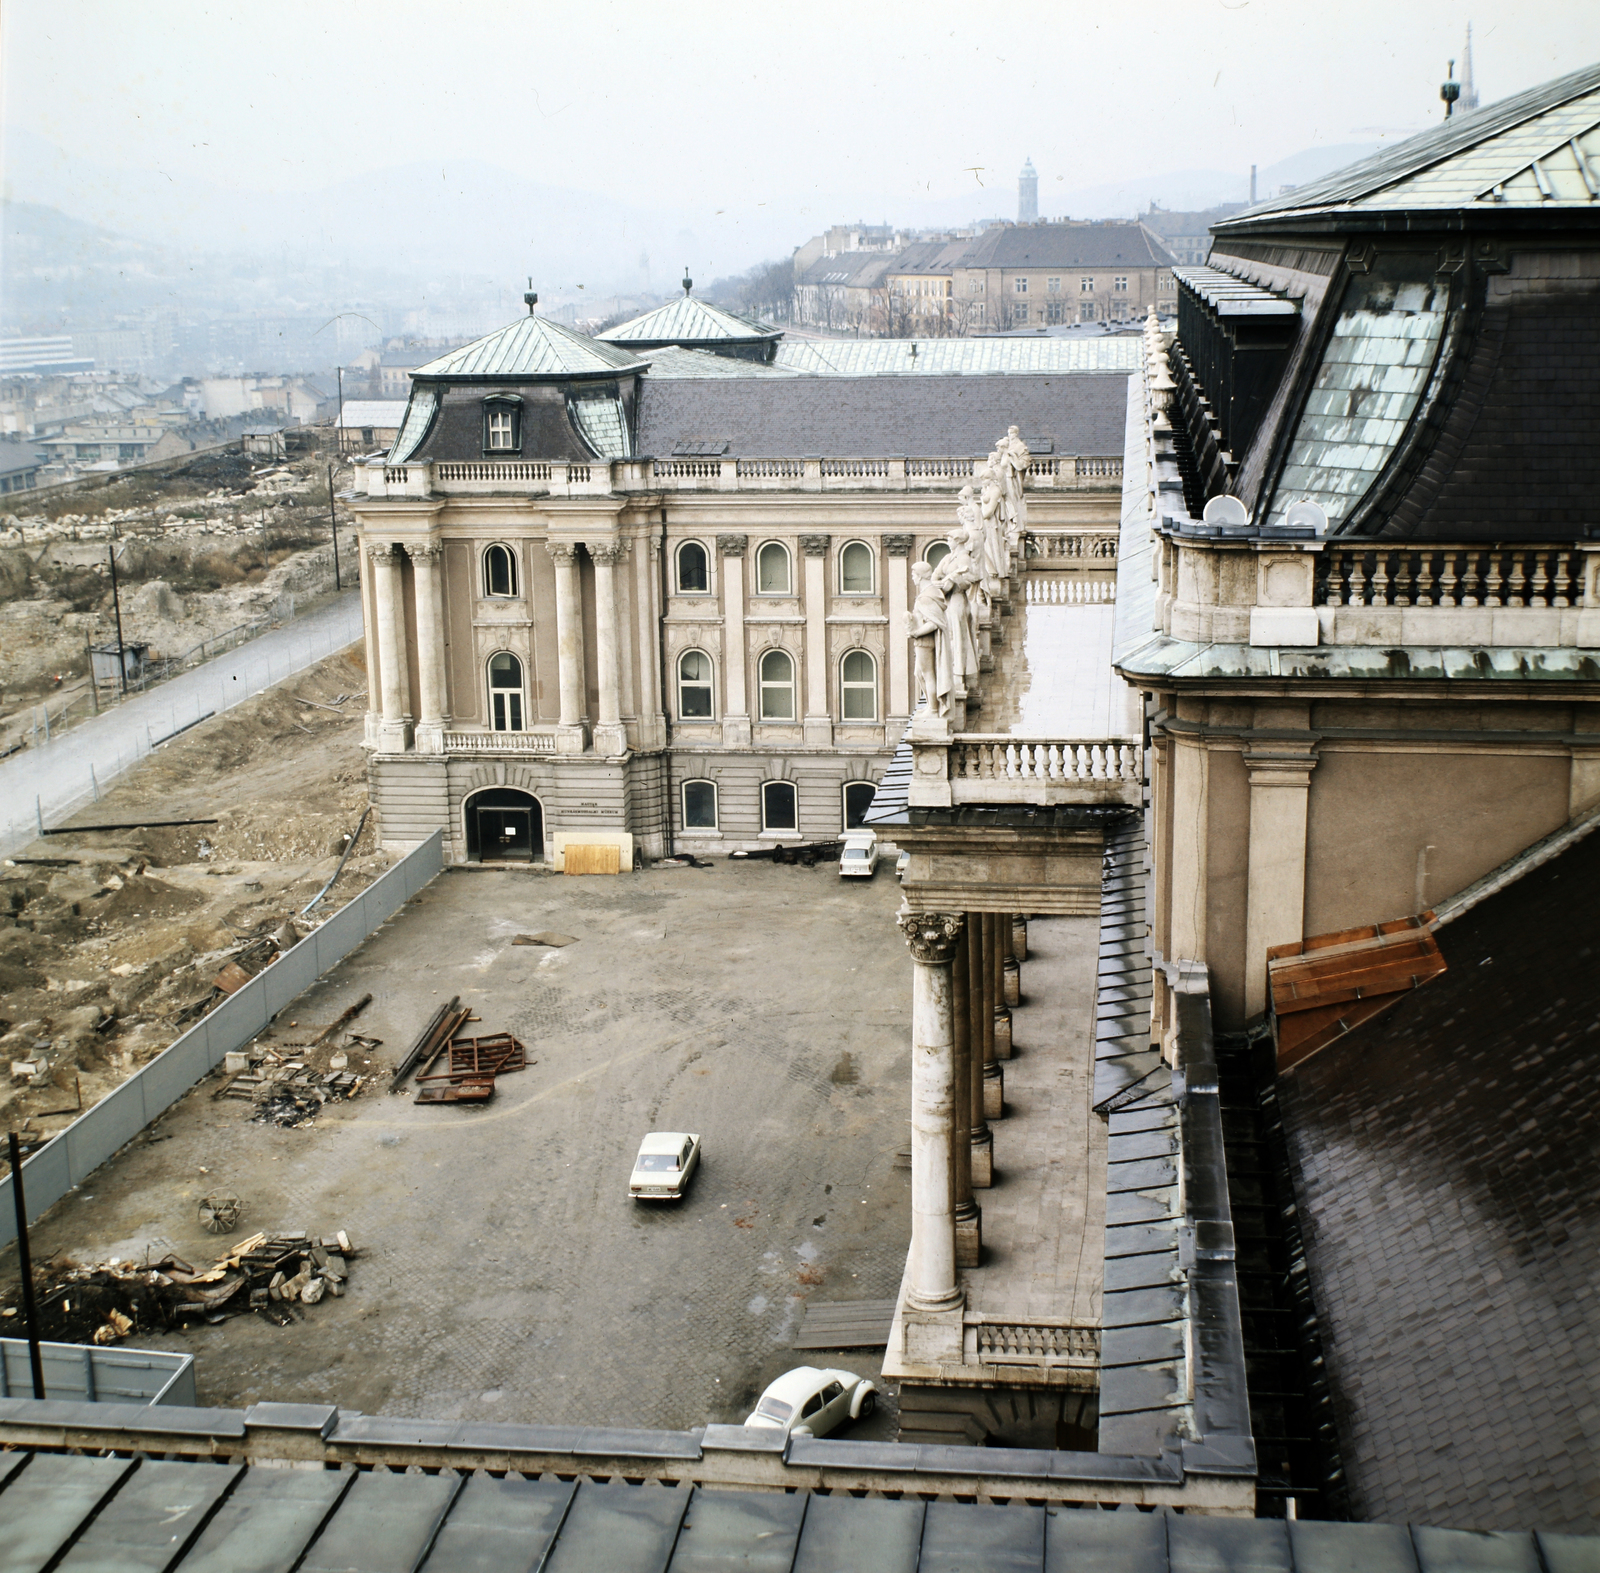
(1491, 585)
(1053, 763)
(982, 761)
(1358, 593)
(1423, 588)
(1539, 581)
(1380, 579)
(1013, 763)
(1403, 579)
(1447, 581)
(1471, 579)
(1130, 763)
(1083, 768)
(1516, 581)
(1558, 582)
(1330, 580)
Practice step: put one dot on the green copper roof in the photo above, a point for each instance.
(533, 347)
(1538, 149)
(689, 321)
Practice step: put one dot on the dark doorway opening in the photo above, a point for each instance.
(504, 826)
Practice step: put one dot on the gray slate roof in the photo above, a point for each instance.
(1040, 355)
(689, 321)
(532, 347)
(882, 417)
(672, 360)
(1459, 163)
(15, 456)
(1068, 246)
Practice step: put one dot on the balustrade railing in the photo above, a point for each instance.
(492, 470)
(940, 469)
(1041, 547)
(976, 757)
(1381, 575)
(1068, 590)
(500, 742)
(1034, 1343)
(686, 469)
(770, 469)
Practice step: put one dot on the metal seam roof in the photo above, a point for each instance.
(533, 347)
(1234, 297)
(689, 321)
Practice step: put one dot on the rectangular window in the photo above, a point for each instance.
(1055, 312)
(1019, 314)
(1086, 311)
(500, 429)
(1120, 283)
(1021, 286)
(1086, 286)
(976, 286)
(1053, 286)
(699, 805)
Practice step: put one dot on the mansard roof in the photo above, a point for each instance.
(688, 321)
(1067, 246)
(532, 347)
(1535, 150)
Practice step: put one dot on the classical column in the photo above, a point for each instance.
(994, 1093)
(1280, 789)
(1019, 936)
(647, 591)
(735, 707)
(931, 1285)
(1002, 1014)
(569, 645)
(370, 618)
(969, 1220)
(394, 733)
(817, 727)
(980, 1141)
(609, 737)
(627, 636)
(431, 719)
(898, 699)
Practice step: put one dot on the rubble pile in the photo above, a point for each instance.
(272, 1275)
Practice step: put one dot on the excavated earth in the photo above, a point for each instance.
(110, 939)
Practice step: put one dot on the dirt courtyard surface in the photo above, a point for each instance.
(504, 1273)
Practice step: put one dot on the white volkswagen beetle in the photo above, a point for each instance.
(808, 1401)
(665, 1164)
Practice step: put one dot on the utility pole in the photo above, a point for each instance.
(338, 430)
(30, 1315)
(116, 603)
(333, 520)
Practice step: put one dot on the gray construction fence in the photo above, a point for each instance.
(83, 1373)
(69, 1158)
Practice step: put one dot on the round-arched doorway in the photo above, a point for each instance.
(504, 826)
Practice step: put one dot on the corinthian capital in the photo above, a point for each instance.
(560, 552)
(930, 936)
(609, 552)
(383, 553)
(425, 554)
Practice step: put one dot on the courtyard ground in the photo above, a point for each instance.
(504, 1272)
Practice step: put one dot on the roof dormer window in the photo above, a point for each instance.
(502, 424)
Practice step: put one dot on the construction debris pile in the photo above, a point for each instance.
(285, 1087)
(272, 1275)
(470, 1064)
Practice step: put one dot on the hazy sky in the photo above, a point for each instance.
(739, 105)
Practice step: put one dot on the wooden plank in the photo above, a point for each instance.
(846, 1324)
(583, 858)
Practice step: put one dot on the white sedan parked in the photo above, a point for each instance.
(666, 1163)
(860, 855)
(812, 1402)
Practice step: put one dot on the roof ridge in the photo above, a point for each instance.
(1514, 868)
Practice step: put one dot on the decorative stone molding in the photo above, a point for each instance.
(384, 551)
(1281, 764)
(561, 554)
(814, 545)
(612, 552)
(733, 545)
(930, 936)
(428, 552)
(899, 545)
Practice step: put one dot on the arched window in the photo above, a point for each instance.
(694, 569)
(505, 692)
(858, 796)
(936, 553)
(858, 684)
(699, 805)
(777, 686)
(500, 571)
(855, 569)
(694, 686)
(778, 807)
(772, 569)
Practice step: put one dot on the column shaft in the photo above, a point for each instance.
(431, 719)
(569, 645)
(994, 1099)
(969, 1227)
(608, 735)
(898, 699)
(980, 1140)
(817, 727)
(393, 681)
(735, 706)
(931, 1271)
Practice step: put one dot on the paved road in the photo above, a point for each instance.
(506, 1275)
(50, 782)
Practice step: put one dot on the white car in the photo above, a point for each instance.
(860, 855)
(808, 1401)
(665, 1165)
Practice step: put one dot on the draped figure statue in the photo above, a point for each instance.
(930, 640)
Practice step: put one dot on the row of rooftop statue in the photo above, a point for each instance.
(954, 595)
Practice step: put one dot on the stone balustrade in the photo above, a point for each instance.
(1267, 590)
(1064, 591)
(1031, 1342)
(500, 742)
(1068, 548)
(563, 478)
(973, 767)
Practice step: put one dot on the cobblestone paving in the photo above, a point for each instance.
(506, 1274)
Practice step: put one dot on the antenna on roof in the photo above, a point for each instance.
(531, 299)
(688, 283)
(1450, 91)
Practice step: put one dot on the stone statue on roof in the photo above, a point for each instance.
(929, 640)
(1011, 460)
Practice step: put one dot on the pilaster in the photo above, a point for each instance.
(1280, 785)
(735, 705)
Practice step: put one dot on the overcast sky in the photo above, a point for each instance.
(744, 104)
